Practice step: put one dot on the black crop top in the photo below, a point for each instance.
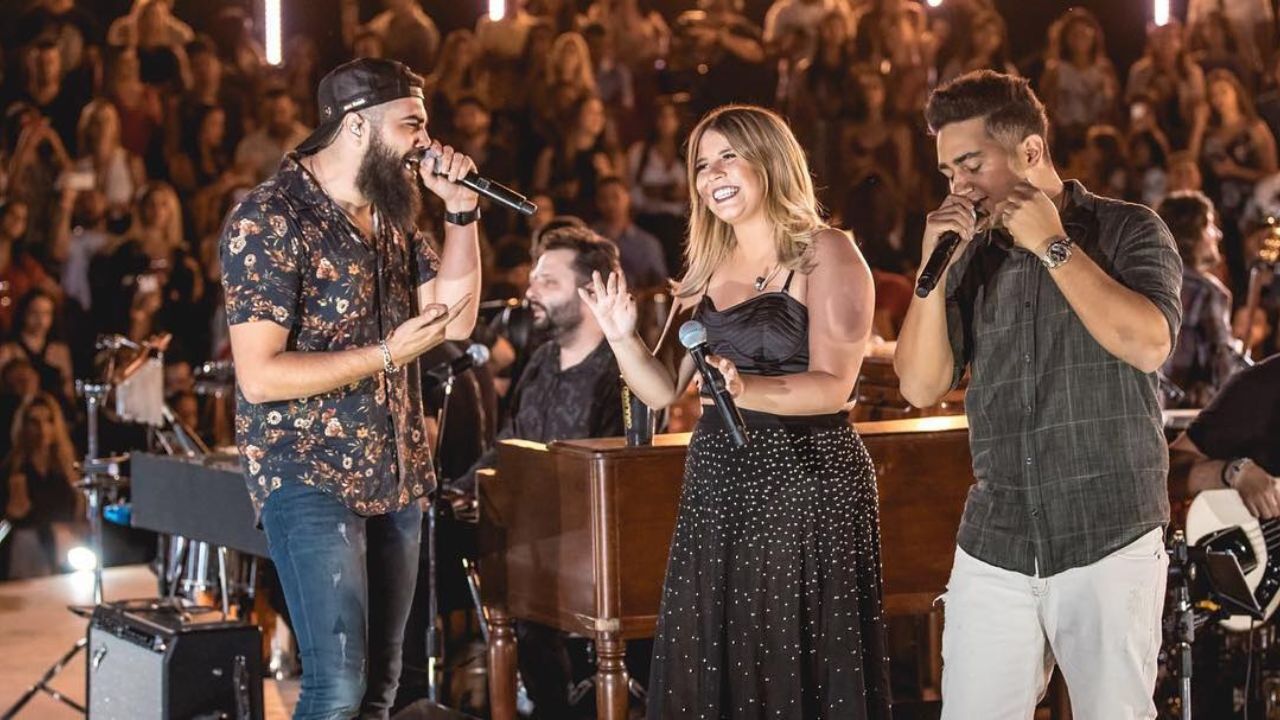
(764, 335)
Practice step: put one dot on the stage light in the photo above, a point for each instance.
(497, 8)
(1160, 11)
(271, 26)
(81, 558)
(935, 3)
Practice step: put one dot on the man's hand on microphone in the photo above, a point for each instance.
(453, 166)
(955, 214)
(1031, 217)
(732, 380)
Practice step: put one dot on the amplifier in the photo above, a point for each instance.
(154, 660)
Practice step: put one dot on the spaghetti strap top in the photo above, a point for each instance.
(767, 334)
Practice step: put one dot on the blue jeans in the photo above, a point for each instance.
(328, 558)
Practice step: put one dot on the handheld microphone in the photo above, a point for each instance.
(693, 336)
(940, 257)
(476, 355)
(496, 192)
(114, 342)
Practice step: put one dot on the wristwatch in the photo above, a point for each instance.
(1058, 252)
(1231, 471)
(462, 218)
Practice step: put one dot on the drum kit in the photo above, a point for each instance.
(129, 389)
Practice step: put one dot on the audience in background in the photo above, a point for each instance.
(125, 140)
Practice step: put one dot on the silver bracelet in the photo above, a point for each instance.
(388, 365)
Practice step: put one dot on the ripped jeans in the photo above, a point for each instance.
(348, 581)
(1100, 624)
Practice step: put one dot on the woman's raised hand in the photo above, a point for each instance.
(611, 304)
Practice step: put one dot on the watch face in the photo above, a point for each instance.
(1059, 251)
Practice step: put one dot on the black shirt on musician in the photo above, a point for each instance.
(550, 403)
(1243, 420)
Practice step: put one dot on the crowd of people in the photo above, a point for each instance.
(126, 140)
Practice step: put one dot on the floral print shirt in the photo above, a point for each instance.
(292, 256)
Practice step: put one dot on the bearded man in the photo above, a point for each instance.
(332, 293)
(570, 389)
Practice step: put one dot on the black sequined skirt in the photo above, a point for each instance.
(772, 602)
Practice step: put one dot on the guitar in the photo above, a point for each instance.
(1218, 520)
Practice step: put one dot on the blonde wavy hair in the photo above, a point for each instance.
(60, 453)
(762, 139)
(571, 45)
(164, 194)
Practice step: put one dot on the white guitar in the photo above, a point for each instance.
(1218, 520)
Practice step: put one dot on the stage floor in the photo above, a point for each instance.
(36, 629)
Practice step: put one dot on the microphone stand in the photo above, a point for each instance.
(1184, 620)
(435, 650)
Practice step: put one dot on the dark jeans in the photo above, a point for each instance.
(329, 559)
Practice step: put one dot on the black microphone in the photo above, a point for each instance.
(693, 336)
(476, 355)
(496, 192)
(942, 252)
(938, 260)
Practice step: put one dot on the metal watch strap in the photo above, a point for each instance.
(1058, 245)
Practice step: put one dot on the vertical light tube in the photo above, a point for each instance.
(271, 26)
(497, 8)
(1160, 12)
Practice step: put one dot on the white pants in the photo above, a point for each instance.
(1004, 631)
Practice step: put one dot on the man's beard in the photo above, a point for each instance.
(559, 320)
(381, 179)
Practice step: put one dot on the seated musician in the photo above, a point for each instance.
(1232, 442)
(570, 389)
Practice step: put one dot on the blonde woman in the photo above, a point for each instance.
(569, 78)
(771, 606)
(459, 72)
(40, 471)
(116, 172)
(155, 264)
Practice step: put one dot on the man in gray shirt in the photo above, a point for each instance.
(1062, 305)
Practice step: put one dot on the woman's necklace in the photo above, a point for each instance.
(762, 281)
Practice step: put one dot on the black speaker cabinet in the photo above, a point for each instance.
(150, 660)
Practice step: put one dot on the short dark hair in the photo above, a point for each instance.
(608, 180)
(1009, 106)
(1187, 214)
(555, 223)
(24, 306)
(592, 253)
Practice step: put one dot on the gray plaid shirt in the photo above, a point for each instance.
(1067, 440)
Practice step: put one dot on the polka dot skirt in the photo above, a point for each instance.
(772, 602)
